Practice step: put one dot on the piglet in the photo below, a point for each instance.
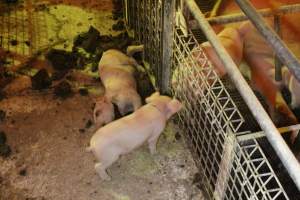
(103, 111)
(128, 133)
(117, 72)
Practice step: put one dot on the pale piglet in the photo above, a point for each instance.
(117, 75)
(128, 133)
(103, 111)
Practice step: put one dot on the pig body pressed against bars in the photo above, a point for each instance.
(128, 133)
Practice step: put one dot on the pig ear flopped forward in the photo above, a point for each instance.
(149, 99)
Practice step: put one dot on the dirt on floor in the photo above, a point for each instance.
(48, 137)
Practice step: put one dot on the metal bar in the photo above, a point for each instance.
(239, 17)
(284, 54)
(225, 166)
(278, 64)
(274, 137)
(216, 8)
(167, 44)
(261, 134)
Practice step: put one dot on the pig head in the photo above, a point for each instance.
(130, 132)
(103, 111)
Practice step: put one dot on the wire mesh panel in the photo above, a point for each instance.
(145, 17)
(251, 176)
(22, 31)
(211, 120)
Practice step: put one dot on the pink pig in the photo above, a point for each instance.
(128, 133)
(117, 75)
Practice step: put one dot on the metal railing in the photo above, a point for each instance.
(211, 122)
(256, 108)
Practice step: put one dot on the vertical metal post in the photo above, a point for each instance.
(225, 165)
(166, 44)
(126, 14)
(278, 64)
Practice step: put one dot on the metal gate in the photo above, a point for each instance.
(232, 160)
(152, 24)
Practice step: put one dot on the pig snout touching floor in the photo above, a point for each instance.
(117, 75)
(128, 133)
(127, 101)
(103, 111)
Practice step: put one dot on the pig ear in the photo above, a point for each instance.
(149, 99)
(156, 93)
(174, 106)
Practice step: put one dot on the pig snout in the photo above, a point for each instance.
(127, 102)
(128, 109)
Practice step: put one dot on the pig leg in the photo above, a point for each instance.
(152, 144)
(101, 171)
(106, 161)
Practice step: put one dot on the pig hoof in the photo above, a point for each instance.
(102, 172)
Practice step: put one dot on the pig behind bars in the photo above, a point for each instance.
(117, 75)
(260, 58)
(128, 133)
(232, 41)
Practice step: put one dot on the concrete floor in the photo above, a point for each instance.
(48, 137)
(46, 142)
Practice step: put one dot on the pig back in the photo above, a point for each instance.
(131, 131)
(116, 57)
(119, 76)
